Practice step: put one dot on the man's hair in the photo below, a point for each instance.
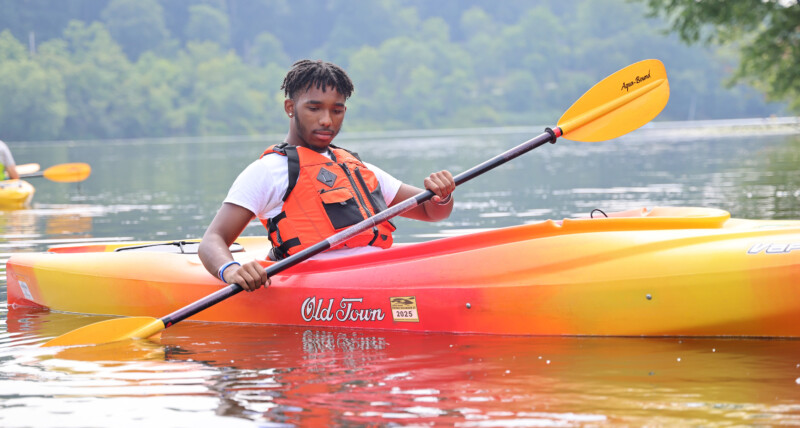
(306, 73)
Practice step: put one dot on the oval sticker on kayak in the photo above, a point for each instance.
(404, 309)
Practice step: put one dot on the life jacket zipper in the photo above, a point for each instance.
(354, 186)
(365, 189)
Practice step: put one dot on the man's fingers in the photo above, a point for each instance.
(440, 183)
(252, 276)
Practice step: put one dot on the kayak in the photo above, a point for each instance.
(18, 193)
(663, 271)
(15, 193)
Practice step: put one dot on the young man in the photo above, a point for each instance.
(307, 189)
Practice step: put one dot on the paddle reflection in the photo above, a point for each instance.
(307, 376)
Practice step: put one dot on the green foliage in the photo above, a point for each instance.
(137, 25)
(767, 33)
(33, 96)
(207, 24)
(268, 49)
(10, 48)
(92, 67)
(158, 68)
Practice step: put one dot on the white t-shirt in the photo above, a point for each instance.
(5, 156)
(261, 186)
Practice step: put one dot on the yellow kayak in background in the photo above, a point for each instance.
(15, 193)
(18, 193)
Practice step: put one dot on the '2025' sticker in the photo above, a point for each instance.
(404, 309)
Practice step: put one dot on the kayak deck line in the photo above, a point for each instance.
(665, 271)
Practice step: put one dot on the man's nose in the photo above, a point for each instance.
(325, 119)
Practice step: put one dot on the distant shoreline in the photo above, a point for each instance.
(786, 125)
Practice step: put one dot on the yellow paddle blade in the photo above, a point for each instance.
(27, 168)
(112, 330)
(125, 350)
(618, 104)
(68, 172)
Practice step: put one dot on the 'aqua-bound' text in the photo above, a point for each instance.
(626, 86)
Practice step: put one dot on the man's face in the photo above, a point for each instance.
(318, 117)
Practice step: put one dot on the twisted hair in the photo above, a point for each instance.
(306, 73)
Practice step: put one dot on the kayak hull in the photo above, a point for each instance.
(659, 272)
(15, 193)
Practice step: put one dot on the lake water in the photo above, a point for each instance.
(203, 374)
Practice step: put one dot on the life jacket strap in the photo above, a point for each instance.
(281, 251)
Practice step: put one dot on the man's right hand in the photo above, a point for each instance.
(250, 276)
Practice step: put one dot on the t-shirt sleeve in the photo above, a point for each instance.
(5, 155)
(258, 188)
(389, 185)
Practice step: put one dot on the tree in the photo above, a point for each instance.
(137, 25)
(224, 97)
(207, 24)
(33, 104)
(267, 49)
(93, 69)
(766, 32)
(10, 48)
(150, 98)
(45, 19)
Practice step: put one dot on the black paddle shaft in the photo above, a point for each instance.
(549, 136)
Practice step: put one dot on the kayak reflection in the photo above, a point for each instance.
(334, 376)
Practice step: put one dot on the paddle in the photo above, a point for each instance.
(63, 173)
(618, 104)
(27, 168)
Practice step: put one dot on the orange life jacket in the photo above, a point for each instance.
(325, 196)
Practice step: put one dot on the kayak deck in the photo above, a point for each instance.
(15, 193)
(665, 271)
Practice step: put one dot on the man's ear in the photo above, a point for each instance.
(288, 107)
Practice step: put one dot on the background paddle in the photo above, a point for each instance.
(63, 173)
(27, 168)
(618, 104)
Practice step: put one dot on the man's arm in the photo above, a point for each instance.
(12, 171)
(215, 252)
(442, 185)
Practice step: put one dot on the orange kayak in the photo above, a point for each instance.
(665, 271)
